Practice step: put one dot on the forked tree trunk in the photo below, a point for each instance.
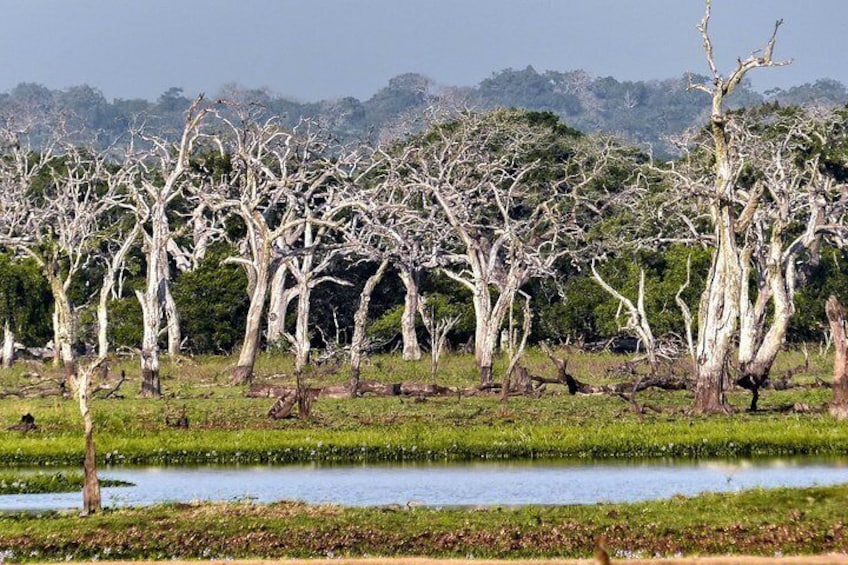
(836, 318)
(489, 319)
(8, 345)
(758, 346)
(411, 349)
(360, 318)
(150, 309)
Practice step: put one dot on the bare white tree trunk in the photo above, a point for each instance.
(63, 320)
(485, 333)
(836, 318)
(8, 345)
(687, 314)
(258, 288)
(516, 352)
(758, 345)
(81, 379)
(717, 318)
(438, 331)
(151, 308)
(301, 343)
(172, 317)
(489, 319)
(360, 319)
(411, 349)
(103, 322)
(719, 312)
(278, 306)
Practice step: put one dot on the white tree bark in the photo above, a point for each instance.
(258, 291)
(107, 288)
(282, 190)
(81, 383)
(637, 320)
(411, 348)
(159, 176)
(278, 306)
(719, 311)
(360, 320)
(8, 345)
(492, 223)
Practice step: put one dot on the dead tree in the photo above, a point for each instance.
(516, 350)
(91, 501)
(836, 319)
(60, 226)
(276, 173)
(637, 316)
(160, 175)
(438, 329)
(719, 312)
(502, 225)
(360, 319)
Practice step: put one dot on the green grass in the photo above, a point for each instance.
(225, 427)
(765, 522)
(41, 482)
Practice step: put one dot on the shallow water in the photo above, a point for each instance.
(447, 484)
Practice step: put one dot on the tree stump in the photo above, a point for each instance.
(27, 424)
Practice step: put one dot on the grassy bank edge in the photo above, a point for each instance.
(679, 438)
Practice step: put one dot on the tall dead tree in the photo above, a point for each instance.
(508, 188)
(793, 204)
(161, 175)
(59, 223)
(91, 499)
(637, 316)
(360, 319)
(719, 310)
(272, 172)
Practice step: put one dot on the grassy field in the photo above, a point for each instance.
(770, 523)
(226, 427)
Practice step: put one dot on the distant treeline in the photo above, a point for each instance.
(648, 113)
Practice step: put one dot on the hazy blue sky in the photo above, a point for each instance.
(312, 49)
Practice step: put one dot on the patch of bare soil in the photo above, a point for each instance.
(829, 559)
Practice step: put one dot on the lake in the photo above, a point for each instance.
(445, 484)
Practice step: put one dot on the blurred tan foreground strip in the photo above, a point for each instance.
(729, 560)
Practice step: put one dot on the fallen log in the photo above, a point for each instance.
(41, 389)
(578, 387)
(425, 390)
(373, 388)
